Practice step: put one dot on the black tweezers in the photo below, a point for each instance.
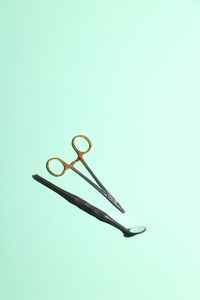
(90, 209)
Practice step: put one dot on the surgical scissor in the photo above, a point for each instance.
(80, 154)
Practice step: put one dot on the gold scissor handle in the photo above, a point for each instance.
(81, 153)
(71, 166)
(65, 166)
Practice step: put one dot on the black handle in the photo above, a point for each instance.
(82, 204)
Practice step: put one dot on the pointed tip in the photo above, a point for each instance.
(120, 208)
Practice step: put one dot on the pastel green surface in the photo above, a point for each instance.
(126, 74)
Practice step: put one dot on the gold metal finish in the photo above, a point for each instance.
(79, 158)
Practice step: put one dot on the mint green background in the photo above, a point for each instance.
(126, 74)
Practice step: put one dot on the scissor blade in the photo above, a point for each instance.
(120, 207)
(103, 190)
(114, 202)
(93, 175)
